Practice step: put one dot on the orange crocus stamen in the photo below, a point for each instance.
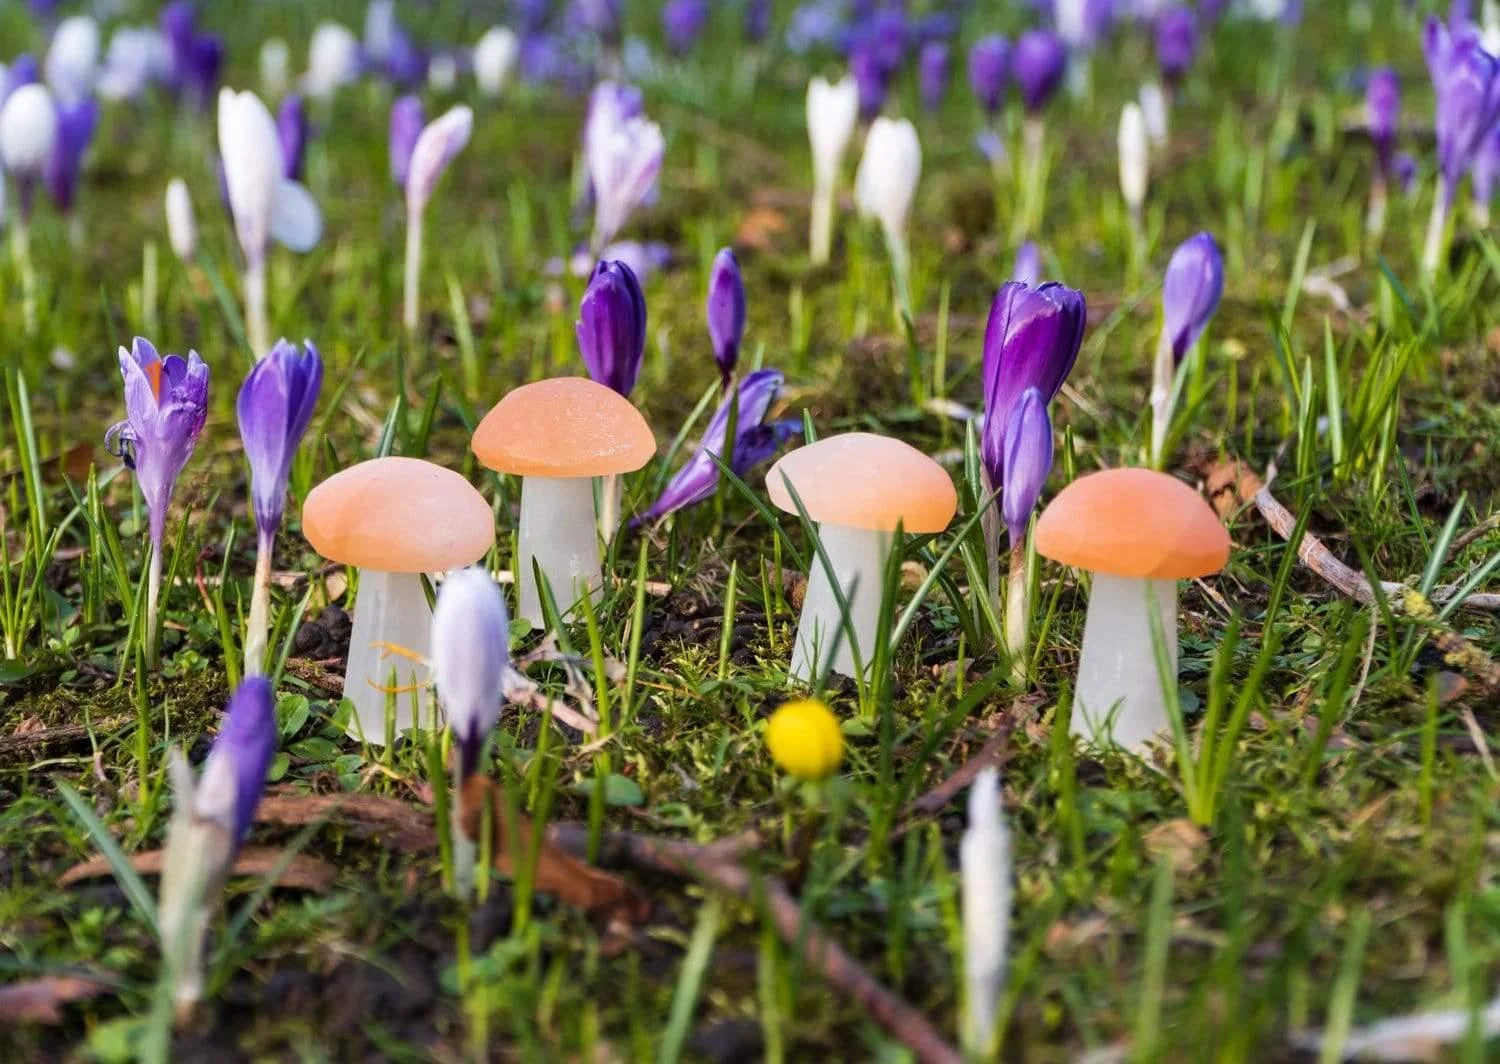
(153, 374)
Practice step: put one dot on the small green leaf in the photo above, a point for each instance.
(279, 766)
(15, 671)
(314, 749)
(618, 790)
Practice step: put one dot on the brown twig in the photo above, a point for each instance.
(62, 735)
(1478, 532)
(703, 863)
(994, 753)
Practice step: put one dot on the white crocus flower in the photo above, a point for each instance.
(332, 59)
(494, 59)
(275, 66)
(73, 58)
(832, 112)
(885, 185)
(1154, 109)
(985, 860)
(264, 203)
(182, 230)
(1135, 159)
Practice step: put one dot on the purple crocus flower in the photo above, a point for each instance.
(869, 77)
(726, 311)
(932, 74)
(599, 17)
(275, 406)
(1404, 172)
(611, 326)
(1466, 81)
(1039, 63)
(24, 71)
(178, 22)
(1028, 267)
(407, 122)
(1484, 175)
(405, 64)
(754, 442)
(1176, 41)
(1191, 290)
(291, 129)
(241, 756)
(1031, 341)
(757, 19)
(682, 21)
(166, 404)
(989, 65)
(1028, 461)
(886, 36)
(76, 123)
(1383, 112)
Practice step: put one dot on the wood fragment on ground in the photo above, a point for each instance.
(302, 872)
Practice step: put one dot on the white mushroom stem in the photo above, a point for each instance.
(390, 611)
(1119, 697)
(557, 533)
(858, 559)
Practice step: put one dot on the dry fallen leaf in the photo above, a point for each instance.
(41, 1000)
(1181, 841)
(398, 825)
(601, 894)
(301, 873)
(761, 227)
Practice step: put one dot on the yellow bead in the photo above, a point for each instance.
(805, 740)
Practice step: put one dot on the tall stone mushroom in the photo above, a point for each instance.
(1138, 532)
(394, 519)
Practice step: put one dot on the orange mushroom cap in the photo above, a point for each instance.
(1133, 522)
(862, 480)
(564, 427)
(400, 515)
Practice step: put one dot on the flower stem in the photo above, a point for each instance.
(413, 268)
(255, 308)
(20, 249)
(1162, 373)
(462, 845)
(1437, 225)
(260, 610)
(820, 236)
(153, 600)
(1017, 610)
(1375, 219)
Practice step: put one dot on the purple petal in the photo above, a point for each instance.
(726, 310)
(275, 406)
(245, 745)
(1191, 290)
(611, 326)
(989, 64)
(1028, 461)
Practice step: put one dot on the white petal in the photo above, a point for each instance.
(296, 221)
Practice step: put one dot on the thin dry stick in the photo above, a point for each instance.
(688, 860)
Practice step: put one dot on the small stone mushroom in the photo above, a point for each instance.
(1138, 532)
(394, 519)
(557, 435)
(858, 487)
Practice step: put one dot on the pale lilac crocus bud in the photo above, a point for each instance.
(407, 121)
(470, 658)
(1466, 82)
(1190, 295)
(623, 166)
(611, 326)
(333, 60)
(182, 229)
(73, 59)
(137, 56)
(437, 146)
(494, 58)
(726, 311)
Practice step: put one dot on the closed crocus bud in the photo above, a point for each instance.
(275, 66)
(443, 139)
(333, 59)
(726, 311)
(381, 30)
(470, 657)
(28, 132)
(264, 202)
(611, 326)
(682, 21)
(137, 56)
(76, 123)
(241, 755)
(832, 114)
(985, 863)
(1135, 157)
(1030, 341)
(989, 66)
(870, 76)
(291, 128)
(182, 230)
(73, 58)
(932, 74)
(886, 182)
(1027, 461)
(275, 406)
(407, 121)
(1383, 112)
(1191, 290)
(1176, 41)
(1028, 267)
(1040, 63)
(494, 59)
(1153, 104)
(805, 740)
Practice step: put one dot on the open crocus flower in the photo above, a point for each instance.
(754, 442)
(832, 113)
(76, 123)
(726, 312)
(166, 404)
(885, 185)
(435, 148)
(623, 162)
(470, 658)
(1382, 118)
(611, 326)
(275, 406)
(264, 202)
(1190, 295)
(210, 818)
(1466, 82)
